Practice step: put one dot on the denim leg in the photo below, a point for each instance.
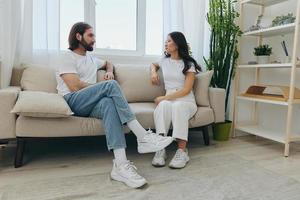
(106, 110)
(83, 101)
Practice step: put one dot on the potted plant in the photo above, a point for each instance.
(262, 53)
(223, 53)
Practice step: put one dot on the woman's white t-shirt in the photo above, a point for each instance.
(85, 66)
(174, 79)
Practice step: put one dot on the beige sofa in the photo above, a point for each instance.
(135, 83)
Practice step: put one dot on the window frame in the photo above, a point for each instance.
(90, 17)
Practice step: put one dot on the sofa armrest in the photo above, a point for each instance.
(217, 103)
(8, 98)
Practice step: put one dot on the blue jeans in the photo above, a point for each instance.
(104, 101)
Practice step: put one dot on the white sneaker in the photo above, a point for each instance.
(180, 159)
(159, 159)
(127, 174)
(153, 142)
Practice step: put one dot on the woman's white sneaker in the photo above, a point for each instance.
(153, 142)
(127, 173)
(159, 159)
(180, 159)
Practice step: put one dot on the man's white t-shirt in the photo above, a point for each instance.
(174, 79)
(85, 66)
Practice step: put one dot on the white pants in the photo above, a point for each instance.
(176, 112)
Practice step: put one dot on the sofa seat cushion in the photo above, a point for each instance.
(41, 104)
(144, 113)
(81, 126)
(204, 116)
(58, 127)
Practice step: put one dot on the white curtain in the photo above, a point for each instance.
(188, 17)
(11, 20)
(30, 34)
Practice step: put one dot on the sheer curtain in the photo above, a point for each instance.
(11, 19)
(189, 17)
(29, 34)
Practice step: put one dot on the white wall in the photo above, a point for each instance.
(270, 116)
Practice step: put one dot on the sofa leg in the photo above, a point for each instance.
(19, 152)
(205, 135)
(3, 142)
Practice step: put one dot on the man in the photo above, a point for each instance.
(76, 77)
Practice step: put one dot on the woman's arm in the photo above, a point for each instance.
(188, 86)
(154, 76)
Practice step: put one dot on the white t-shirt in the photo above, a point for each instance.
(85, 66)
(172, 73)
(174, 79)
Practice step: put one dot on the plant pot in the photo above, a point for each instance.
(263, 59)
(221, 131)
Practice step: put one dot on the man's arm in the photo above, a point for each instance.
(73, 82)
(109, 68)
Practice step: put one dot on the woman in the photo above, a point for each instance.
(178, 105)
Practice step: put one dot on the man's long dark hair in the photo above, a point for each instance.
(80, 28)
(183, 51)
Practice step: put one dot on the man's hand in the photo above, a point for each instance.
(157, 100)
(109, 76)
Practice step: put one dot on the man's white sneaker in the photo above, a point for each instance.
(180, 159)
(126, 173)
(153, 142)
(159, 159)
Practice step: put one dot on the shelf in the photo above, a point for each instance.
(263, 2)
(276, 102)
(266, 133)
(262, 132)
(272, 31)
(283, 103)
(272, 65)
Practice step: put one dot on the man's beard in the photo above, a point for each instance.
(86, 46)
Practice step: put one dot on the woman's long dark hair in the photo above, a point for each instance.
(183, 51)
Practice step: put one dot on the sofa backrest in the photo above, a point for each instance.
(134, 81)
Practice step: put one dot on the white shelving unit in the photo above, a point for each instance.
(252, 127)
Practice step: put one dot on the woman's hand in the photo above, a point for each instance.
(109, 76)
(157, 100)
(154, 78)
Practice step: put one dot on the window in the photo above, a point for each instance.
(116, 25)
(70, 12)
(154, 27)
(124, 27)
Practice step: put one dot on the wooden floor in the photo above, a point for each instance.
(66, 159)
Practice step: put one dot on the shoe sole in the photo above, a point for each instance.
(158, 165)
(126, 181)
(172, 167)
(156, 149)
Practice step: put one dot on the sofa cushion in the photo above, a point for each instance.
(41, 104)
(136, 84)
(38, 78)
(201, 86)
(144, 113)
(204, 116)
(58, 127)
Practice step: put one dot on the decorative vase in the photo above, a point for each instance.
(221, 131)
(263, 59)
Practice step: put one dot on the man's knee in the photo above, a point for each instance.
(106, 101)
